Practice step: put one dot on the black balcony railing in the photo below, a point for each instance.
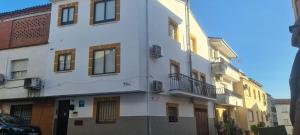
(227, 92)
(190, 85)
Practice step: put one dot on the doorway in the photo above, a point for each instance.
(201, 121)
(63, 117)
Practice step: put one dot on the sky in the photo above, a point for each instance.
(256, 29)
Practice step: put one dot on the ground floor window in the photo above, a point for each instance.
(22, 111)
(172, 112)
(106, 109)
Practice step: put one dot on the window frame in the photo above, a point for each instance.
(96, 109)
(66, 52)
(172, 105)
(104, 61)
(67, 6)
(65, 62)
(92, 51)
(176, 65)
(252, 116)
(176, 33)
(105, 11)
(22, 71)
(62, 15)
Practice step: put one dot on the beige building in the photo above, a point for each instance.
(283, 114)
(255, 108)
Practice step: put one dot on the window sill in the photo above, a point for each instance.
(64, 71)
(104, 23)
(66, 25)
(100, 75)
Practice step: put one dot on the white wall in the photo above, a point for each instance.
(81, 36)
(37, 57)
(283, 116)
(159, 14)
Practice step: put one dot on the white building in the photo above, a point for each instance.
(283, 114)
(99, 58)
(225, 76)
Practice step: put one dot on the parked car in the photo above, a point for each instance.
(10, 125)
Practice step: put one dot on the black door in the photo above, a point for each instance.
(62, 117)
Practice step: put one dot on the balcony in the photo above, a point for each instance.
(226, 70)
(228, 97)
(183, 85)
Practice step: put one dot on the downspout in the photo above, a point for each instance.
(147, 69)
(188, 40)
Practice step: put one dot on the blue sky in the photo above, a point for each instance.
(256, 29)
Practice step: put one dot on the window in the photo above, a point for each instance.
(173, 30)
(64, 60)
(250, 115)
(195, 74)
(262, 116)
(172, 112)
(22, 111)
(68, 14)
(194, 46)
(259, 95)
(202, 77)
(19, 69)
(254, 93)
(104, 59)
(106, 109)
(249, 92)
(105, 11)
(257, 114)
(174, 67)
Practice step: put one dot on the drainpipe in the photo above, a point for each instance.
(147, 68)
(188, 38)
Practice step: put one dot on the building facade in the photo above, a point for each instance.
(272, 114)
(283, 114)
(255, 110)
(225, 75)
(109, 67)
(23, 49)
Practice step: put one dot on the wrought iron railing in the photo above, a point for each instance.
(228, 92)
(190, 85)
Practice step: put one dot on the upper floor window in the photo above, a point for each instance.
(104, 59)
(254, 94)
(250, 115)
(194, 46)
(174, 67)
(68, 14)
(64, 60)
(259, 96)
(19, 69)
(172, 112)
(105, 11)
(173, 30)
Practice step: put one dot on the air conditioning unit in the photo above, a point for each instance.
(156, 51)
(33, 83)
(2, 79)
(157, 86)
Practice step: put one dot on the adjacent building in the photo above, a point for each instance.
(225, 75)
(255, 110)
(283, 114)
(23, 51)
(272, 114)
